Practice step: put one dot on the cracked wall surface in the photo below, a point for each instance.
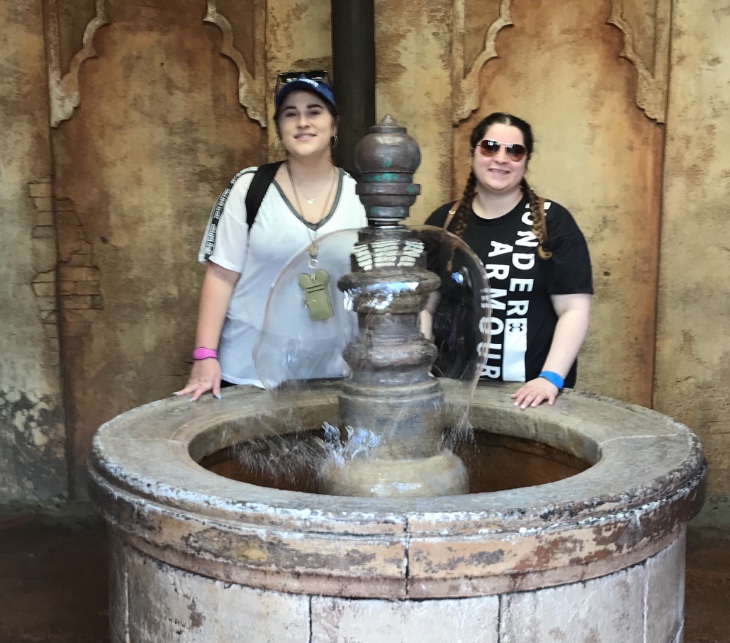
(32, 435)
(44, 263)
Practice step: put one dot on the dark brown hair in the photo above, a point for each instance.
(537, 212)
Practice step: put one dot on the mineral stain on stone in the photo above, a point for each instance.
(196, 617)
(35, 437)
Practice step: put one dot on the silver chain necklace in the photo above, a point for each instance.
(312, 234)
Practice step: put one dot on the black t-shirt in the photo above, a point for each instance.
(522, 317)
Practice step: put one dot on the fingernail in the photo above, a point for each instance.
(192, 399)
(218, 395)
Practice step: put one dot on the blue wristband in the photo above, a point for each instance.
(553, 378)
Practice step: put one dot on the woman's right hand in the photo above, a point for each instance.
(204, 376)
(215, 295)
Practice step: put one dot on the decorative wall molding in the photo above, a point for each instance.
(251, 87)
(466, 87)
(646, 46)
(64, 88)
(652, 71)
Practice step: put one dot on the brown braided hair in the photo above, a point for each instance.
(537, 209)
(537, 216)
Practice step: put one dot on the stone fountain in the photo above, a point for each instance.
(563, 523)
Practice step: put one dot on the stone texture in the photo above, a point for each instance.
(605, 610)
(665, 592)
(368, 621)
(32, 457)
(118, 589)
(168, 604)
(693, 349)
(31, 445)
(642, 604)
(53, 579)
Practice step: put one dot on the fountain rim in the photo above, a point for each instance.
(208, 414)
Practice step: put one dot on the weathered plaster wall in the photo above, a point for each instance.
(158, 133)
(32, 437)
(297, 37)
(413, 76)
(693, 343)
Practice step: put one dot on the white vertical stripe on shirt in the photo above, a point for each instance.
(515, 346)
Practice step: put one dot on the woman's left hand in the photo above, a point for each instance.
(534, 393)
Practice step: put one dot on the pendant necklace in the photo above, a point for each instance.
(316, 294)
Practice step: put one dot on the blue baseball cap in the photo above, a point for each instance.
(316, 86)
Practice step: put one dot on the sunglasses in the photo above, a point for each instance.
(515, 151)
(320, 75)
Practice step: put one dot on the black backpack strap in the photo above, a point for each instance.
(260, 183)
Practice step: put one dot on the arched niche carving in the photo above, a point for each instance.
(645, 25)
(63, 87)
(251, 83)
(466, 85)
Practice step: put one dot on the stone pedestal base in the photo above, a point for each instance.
(442, 475)
(153, 602)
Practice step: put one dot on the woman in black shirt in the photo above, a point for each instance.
(535, 258)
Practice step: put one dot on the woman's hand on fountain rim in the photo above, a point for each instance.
(204, 376)
(534, 393)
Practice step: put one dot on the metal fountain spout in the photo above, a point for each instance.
(390, 391)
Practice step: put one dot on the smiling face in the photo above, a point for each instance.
(499, 174)
(305, 124)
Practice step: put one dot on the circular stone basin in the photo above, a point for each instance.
(593, 549)
(494, 462)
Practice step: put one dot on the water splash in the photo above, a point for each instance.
(297, 459)
(359, 442)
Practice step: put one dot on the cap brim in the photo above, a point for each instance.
(319, 89)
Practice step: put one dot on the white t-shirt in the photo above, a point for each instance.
(278, 233)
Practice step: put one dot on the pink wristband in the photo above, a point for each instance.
(204, 353)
